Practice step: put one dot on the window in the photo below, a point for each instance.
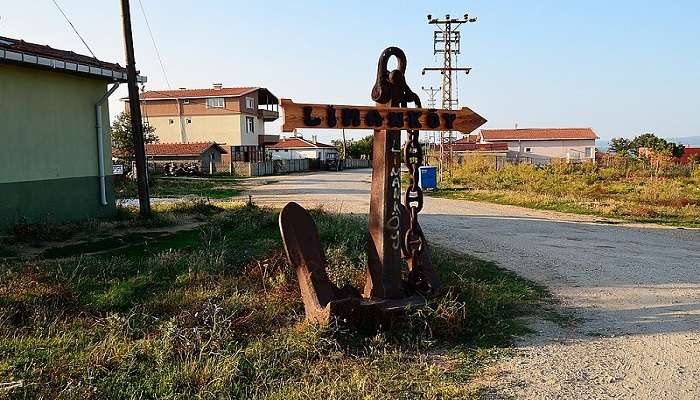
(250, 103)
(528, 149)
(249, 124)
(189, 120)
(171, 121)
(589, 152)
(215, 102)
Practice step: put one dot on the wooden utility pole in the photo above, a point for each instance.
(135, 110)
(345, 147)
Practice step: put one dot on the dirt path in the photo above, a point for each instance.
(632, 291)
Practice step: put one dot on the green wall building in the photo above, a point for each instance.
(55, 147)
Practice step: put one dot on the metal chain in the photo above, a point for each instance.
(413, 199)
(391, 87)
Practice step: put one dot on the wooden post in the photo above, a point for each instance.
(384, 255)
(135, 111)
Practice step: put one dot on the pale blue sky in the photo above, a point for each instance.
(621, 67)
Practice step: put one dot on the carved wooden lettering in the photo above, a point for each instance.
(329, 116)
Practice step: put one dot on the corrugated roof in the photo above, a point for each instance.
(47, 51)
(194, 93)
(538, 134)
(42, 56)
(298, 143)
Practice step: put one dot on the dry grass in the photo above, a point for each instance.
(627, 189)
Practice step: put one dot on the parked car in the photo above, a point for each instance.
(333, 163)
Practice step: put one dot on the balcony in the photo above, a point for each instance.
(268, 115)
(267, 140)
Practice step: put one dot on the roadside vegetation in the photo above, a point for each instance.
(621, 187)
(215, 312)
(212, 187)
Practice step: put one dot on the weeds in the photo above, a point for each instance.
(626, 189)
(216, 313)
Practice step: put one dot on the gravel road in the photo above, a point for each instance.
(633, 290)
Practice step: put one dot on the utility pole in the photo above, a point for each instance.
(345, 147)
(447, 41)
(135, 109)
(431, 92)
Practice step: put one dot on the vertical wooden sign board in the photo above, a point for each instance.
(384, 252)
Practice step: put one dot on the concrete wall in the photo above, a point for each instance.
(546, 150)
(48, 151)
(295, 154)
(226, 129)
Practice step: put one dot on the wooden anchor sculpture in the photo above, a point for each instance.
(393, 226)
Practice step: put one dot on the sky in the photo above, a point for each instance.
(621, 67)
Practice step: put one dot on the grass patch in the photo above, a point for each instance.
(626, 189)
(215, 312)
(215, 187)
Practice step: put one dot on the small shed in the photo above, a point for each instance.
(206, 155)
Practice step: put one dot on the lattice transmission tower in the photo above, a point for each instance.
(447, 41)
(431, 92)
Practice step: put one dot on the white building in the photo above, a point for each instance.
(295, 148)
(542, 145)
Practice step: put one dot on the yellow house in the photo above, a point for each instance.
(232, 117)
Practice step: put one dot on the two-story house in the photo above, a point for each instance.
(231, 117)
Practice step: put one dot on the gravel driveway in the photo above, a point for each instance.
(633, 290)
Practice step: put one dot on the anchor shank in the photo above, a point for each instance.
(384, 255)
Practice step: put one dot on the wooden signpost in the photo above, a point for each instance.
(393, 225)
(329, 116)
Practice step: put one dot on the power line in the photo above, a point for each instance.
(73, 26)
(155, 46)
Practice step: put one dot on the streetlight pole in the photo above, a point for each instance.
(135, 111)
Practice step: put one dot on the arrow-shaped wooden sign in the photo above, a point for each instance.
(329, 116)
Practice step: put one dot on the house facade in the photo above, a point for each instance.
(232, 117)
(296, 148)
(55, 157)
(543, 145)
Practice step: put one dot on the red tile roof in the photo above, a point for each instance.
(688, 152)
(538, 134)
(180, 149)
(480, 147)
(194, 93)
(47, 51)
(298, 143)
(174, 149)
(468, 139)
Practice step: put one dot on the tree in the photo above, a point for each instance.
(122, 137)
(657, 144)
(356, 148)
(620, 146)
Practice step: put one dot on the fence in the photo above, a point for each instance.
(351, 163)
(276, 167)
